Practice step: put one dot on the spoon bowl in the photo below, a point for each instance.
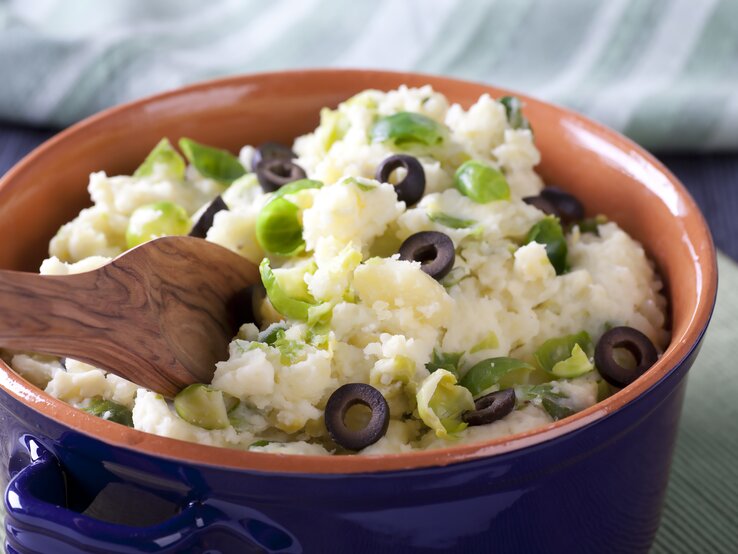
(160, 315)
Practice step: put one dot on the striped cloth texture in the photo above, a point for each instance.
(665, 72)
(701, 512)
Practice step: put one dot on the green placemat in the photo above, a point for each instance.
(701, 513)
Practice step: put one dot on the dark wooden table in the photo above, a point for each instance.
(711, 178)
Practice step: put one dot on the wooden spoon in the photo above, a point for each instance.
(159, 315)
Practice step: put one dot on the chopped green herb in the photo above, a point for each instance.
(445, 360)
(514, 112)
(290, 351)
(451, 221)
(592, 224)
(555, 409)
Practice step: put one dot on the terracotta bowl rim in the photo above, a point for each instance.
(119, 436)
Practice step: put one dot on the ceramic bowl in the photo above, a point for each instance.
(591, 482)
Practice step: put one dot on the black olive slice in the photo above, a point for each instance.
(277, 172)
(434, 250)
(555, 201)
(246, 305)
(568, 207)
(410, 190)
(491, 407)
(271, 151)
(542, 204)
(200, 229)
(640, 347)
(338, 405)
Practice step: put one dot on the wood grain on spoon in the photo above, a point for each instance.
(160, 315)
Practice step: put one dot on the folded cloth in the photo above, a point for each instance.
(663, 71)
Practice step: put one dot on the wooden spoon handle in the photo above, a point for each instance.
(83, 317)
(43, 313)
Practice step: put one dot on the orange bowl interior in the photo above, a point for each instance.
(610, 174)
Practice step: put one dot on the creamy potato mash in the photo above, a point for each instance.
(343, 308)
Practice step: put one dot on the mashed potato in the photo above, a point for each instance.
(372, 317)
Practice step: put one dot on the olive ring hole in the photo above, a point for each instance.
(627, 355)
(281, 169)
(397, 175)
(357, 415)
(426, 254)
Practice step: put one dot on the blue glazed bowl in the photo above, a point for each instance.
(593, 482)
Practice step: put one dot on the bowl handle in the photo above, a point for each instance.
(37, 522)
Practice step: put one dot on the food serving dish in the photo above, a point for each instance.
(594, 479)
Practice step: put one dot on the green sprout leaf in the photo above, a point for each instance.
(278, 226)
(212, 163)
(487, 343)
(109, 410)
(285, 304)
(163, 155)
(549, 233)
(156, 220)
(575, 365)
(202, 406)
(408, 128)
(495, 374)
(481, 183)
(441, 403)
(561, 349)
